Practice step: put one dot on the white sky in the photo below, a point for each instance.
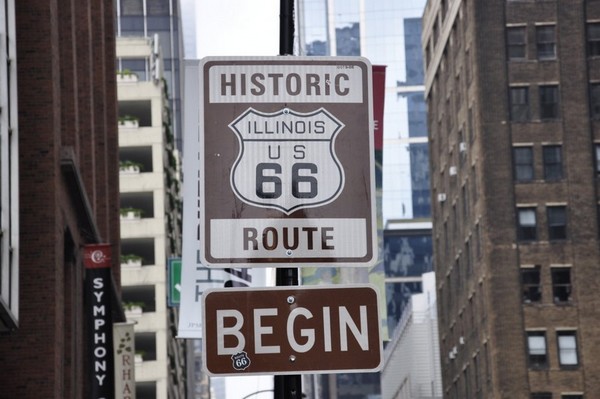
(237, 27)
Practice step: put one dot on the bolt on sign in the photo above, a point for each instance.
(324, 329)
(285, 162)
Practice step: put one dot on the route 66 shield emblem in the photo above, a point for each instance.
(287, 159)
(240, 361)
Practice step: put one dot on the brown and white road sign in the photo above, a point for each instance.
(319, 329)
(286, 169)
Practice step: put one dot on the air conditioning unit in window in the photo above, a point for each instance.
(461, 340)
(455, 351)
(451, 355)
(462, 146)
(452, 171)
(441, 197)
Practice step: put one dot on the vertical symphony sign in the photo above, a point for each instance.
(98, 309)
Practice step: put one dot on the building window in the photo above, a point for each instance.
(595, 100)
(593, 37)
(561, 284)
(527, 224)
(530, 280)
(546, 42)
(597, 151)
(536, 346)
(523, 163)
(541, 395)
(519, 104)
(571, 396)
(138, 66)
(516, 43)
(552, 162)
(567, 348)
(557, 222)
(549, 102)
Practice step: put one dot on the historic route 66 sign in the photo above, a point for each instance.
(287, 159)
(283, 157)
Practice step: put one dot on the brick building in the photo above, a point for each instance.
(513, 94)
(59, 120)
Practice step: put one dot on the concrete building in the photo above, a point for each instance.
(412, 357)
(147, 18)
(513, 98)
(58, 153)
(150, 218)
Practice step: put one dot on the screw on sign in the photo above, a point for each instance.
(286, 169)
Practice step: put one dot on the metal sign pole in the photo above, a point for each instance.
(287, 386)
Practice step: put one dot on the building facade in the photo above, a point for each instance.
(150, 209)
(411, 367)
(147, 18)
(58, 168)
(388, 34)
(513, 110)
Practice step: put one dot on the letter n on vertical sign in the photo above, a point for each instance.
(98, 311)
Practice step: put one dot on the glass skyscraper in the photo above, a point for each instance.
(388, 33)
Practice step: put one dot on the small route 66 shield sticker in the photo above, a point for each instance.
(240, 361)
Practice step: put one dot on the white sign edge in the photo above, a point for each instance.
(307, 263)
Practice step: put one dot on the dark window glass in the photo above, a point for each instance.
(541, 395)
(571, 397)
(132, 7)
(561, 284)
(159, 24)
(516, 39)
(527, 224)
(419, 168)
(546, 42)
(553, 162)
(523, 163)
(530, 280)
(536, 349)
(567, 348)
(597, 152)
(137, 66)
(595, 100)
(132, 26)
(593, 37)
(519, 104)
(348, 39)
(417, 115)
(557, 222)
(407, 254)
(549, 101)
(157, 7)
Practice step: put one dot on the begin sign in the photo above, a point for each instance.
(323, 329)
(286, 169)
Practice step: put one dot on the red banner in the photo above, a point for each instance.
(378, 103)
